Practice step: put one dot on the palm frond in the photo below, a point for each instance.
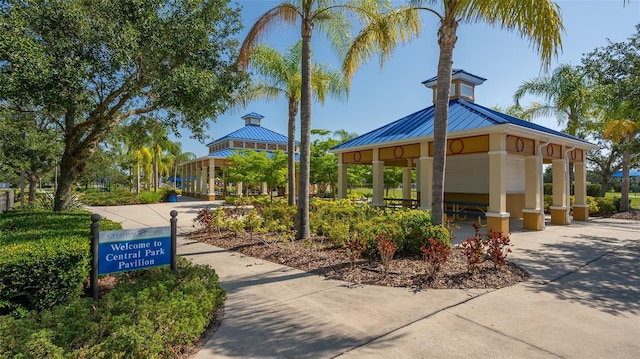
(381, 36)
(539, 21)
(287, 13)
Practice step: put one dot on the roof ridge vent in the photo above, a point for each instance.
(252, 119)
(463, 85)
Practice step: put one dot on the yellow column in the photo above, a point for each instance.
(198, 172)
(532, 217)
(378, 180)
(425, 177)
(497, 216)
(190, 179)
(559, 205)
(580, 206)
(342, 178)
(264, 189)
(203, 179)
(185, 178)
(406, 180)
(212, 180)
(239, 188)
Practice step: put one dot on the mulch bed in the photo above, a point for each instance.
(319, 257)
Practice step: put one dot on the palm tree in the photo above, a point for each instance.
(279, 75)
(331, 17)
(538, 21)
(344, 135)
(177, 156)
(623, 131)
(566, 94)
(143, 159)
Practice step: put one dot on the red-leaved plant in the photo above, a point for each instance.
(498, 248)
(474, 249)
(436, 253)
(355, 245)
(387, 249)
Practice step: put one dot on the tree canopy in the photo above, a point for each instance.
(87, 65)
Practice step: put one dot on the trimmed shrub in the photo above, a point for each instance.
(154, 313)
(593, 190)
(44, 257)
(548, 188)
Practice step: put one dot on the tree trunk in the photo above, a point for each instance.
(71, 166)
(624, 191)
(446, 40)
(304, 230)
(291, 149)
(33, 183)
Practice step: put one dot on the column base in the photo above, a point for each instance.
(532, 219)
(498, 222)
(581, 212)
(559, 215)
(210, 197)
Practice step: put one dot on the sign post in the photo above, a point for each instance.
(131, 249)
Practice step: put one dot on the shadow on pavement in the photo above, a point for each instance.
(597, 272)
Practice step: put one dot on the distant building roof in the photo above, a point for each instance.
(463, 115)
(254, 133)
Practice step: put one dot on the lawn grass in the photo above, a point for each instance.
(633, 197)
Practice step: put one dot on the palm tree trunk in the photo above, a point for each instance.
(624, 191)
(304, 230)
(446, 40)
(138, 178)
(291, 150)
(175, 175)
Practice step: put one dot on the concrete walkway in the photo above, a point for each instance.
(582, 301)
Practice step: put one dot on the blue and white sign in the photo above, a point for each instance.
(131, 249)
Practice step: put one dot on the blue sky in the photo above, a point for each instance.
(378, 96)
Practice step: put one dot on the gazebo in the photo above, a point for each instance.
(494, 161)
(201, 176)
(634, 174)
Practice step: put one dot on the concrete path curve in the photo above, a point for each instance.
(582, 301)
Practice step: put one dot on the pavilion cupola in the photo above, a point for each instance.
(463, 85)
(252, 119)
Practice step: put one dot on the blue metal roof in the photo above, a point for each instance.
(254, 133)
(463, 115)
(229, 152)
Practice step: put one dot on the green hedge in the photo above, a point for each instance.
(44, 257)
(153, 313)
(123, 198)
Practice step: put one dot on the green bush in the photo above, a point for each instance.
(548, 202)
(150, 197)
(279, 211)
(593, 205)
(548, 188)
(153, 313)
(593, 190)
(44, 257)
(604, 205)
(116, 198)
